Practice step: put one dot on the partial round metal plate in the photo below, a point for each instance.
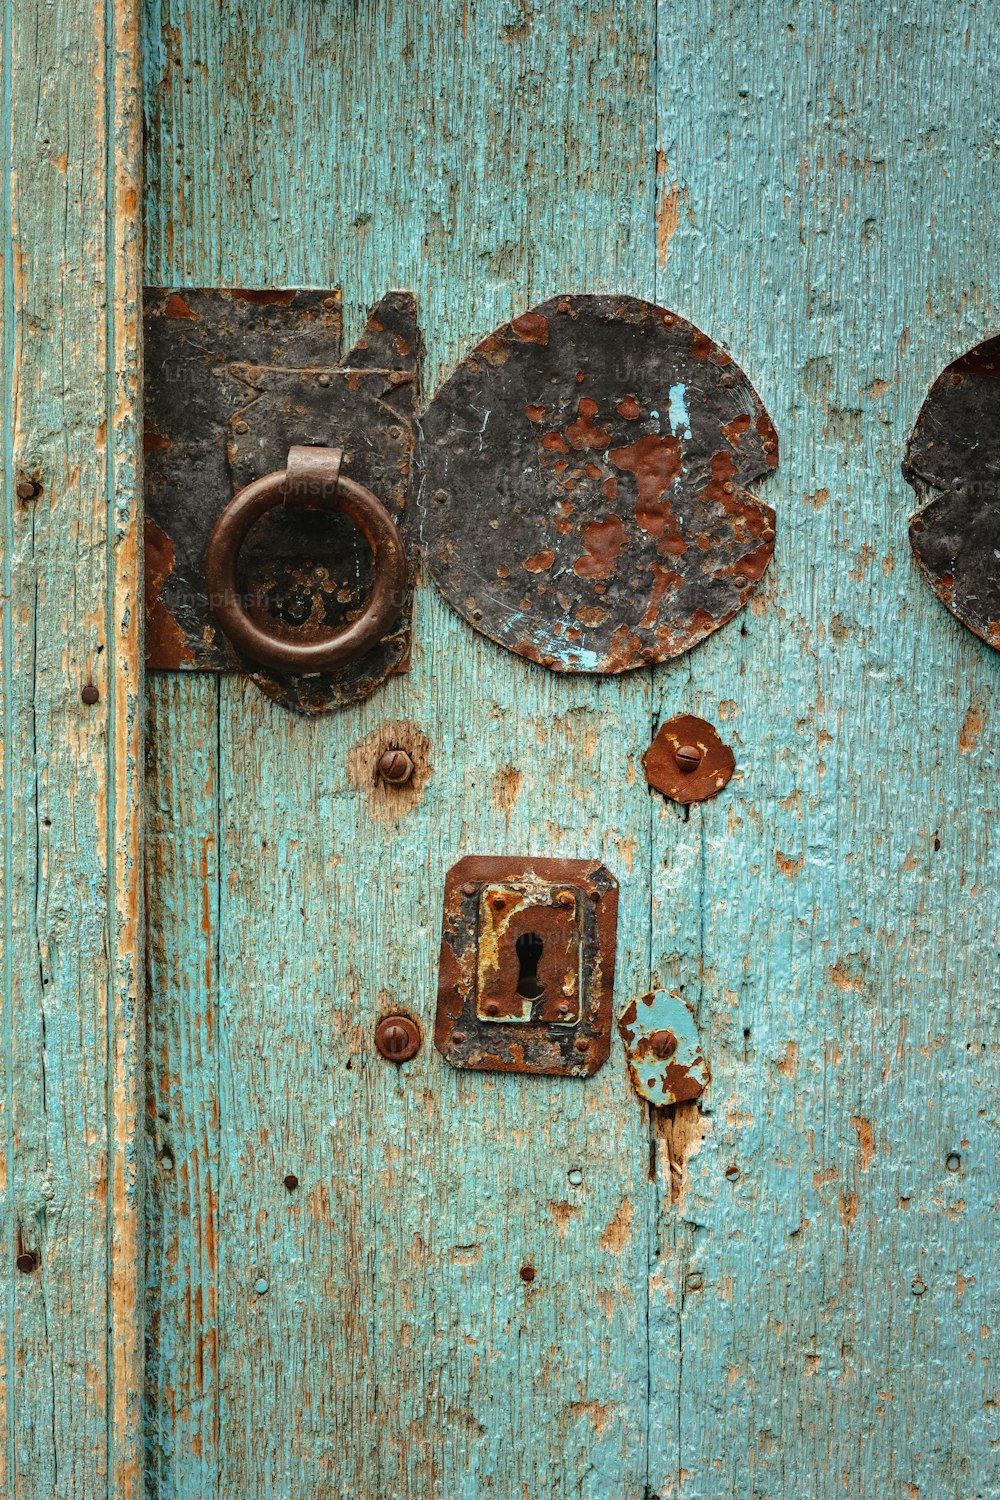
(955, 448)
(584, 498)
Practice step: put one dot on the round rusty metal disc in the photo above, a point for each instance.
(955, 448)
(584, 495)
(670, 772)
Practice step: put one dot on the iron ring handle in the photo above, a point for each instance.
(312, 481)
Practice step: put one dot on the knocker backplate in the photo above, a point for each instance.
(584, 497)
(232, 380)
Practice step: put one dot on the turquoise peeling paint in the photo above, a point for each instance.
(678, 415)
(816, 188)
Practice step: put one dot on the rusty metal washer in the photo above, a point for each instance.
(687, 760)
(311, 481)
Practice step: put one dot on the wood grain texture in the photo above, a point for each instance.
(812, 189)
(72, 863)
(835, 192)
(182, 1231)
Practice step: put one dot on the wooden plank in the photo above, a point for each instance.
(396, 1348)
(182, 1230)
(72, 857)
(827, 209)
(843, 966)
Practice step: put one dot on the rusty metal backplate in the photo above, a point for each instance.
(954, 448)
(584, 498)
(233, 379)
(554, 919)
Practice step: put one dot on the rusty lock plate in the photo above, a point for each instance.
(953, 463)
(584, 498)
(527, 965)
(233, 380)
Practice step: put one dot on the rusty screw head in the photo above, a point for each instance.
(26, 490)
(28, 1261)
(663, 1044)
(89, 694)
(397, 1038)
(291, 1181)
(566, 898)
(688, 758)
(395, 767)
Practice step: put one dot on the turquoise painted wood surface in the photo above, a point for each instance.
(791, 1289)
(71, 1199)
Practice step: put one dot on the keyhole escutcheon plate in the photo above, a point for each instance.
(527, 965)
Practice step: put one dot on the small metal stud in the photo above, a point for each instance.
(395, 767)
(688, 758)
(397, 1038)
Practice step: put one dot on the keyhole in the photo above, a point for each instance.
(529, 951)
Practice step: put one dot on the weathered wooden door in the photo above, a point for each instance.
(361, 1279)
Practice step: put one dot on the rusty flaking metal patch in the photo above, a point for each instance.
(527, 969)
(688, 760)
(233, 379)
(665, 1059)
(584, 493)
(954, 449)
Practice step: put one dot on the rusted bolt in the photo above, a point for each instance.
(565, 898)
(582, 1044)
(688, 758)
(291, 1181)
(468, 889)
(564, 1010)
(322, 380)
(575, 1176)
(28, 1261)
(260, 1286)
(953, 1161)
(694, 1282)
(395, 767)
(663, 1044)
(493, 1009)
(240, 427)
(397, 1038)
(89, 694)
(733, 1174)
(26, 490)
(458, 1037)
(527, 1273)
(329, 302)
(918, 1287)
(499, 903)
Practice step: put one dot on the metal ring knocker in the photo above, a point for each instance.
(311, 481)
